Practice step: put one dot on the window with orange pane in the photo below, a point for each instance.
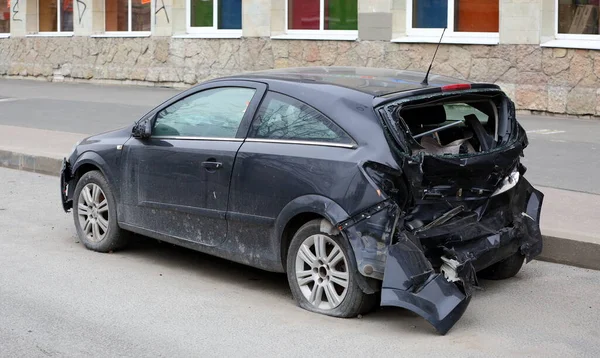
(55, 15)
(127, 15)
(4, 16)
(464, 15)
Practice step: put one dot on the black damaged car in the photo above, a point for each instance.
(366, 186)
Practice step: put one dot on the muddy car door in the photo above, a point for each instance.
(177, 179)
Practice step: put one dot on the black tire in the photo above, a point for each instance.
(504, 269)
(114, 237)
(355, 301)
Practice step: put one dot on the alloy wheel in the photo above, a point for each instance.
(322, 272)
(92, 210)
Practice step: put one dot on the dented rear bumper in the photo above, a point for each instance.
(410, 259)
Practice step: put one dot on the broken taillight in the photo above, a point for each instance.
(456, 87)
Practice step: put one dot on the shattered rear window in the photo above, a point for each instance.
(461, 124)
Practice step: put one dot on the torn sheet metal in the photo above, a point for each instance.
(455, 216)
(435, 276)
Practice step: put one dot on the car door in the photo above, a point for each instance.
(292, 151)
(177, 181)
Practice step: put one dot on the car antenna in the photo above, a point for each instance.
(426, 79)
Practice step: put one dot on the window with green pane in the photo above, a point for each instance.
(337, 14)
(228, 14)
(341, 15)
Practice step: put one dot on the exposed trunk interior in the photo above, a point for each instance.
(456, 125)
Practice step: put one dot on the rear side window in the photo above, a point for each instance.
(285, 118)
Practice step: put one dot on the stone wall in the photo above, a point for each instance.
(538, 79)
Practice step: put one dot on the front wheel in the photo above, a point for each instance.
(321, 277)
(95, 214)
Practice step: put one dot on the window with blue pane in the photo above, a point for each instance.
(215, 14)
(430, 14)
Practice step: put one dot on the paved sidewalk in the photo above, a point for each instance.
(569, 218)
(36, 150)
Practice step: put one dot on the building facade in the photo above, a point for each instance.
(544, 53)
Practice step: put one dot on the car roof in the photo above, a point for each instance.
(372, 81)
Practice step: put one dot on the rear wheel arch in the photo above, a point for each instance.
(292, 226)
(300, 211)
(309, 207)
(312, 280)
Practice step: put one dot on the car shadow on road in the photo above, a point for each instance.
(164, 254)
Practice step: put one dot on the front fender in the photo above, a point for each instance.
(96, 160)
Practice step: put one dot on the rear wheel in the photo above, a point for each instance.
(504, 269)
(95, 214)
(321, 276)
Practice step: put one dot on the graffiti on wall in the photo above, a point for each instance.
(15, 11)
(162, 8)
(80, 11)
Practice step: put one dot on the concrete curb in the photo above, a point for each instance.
(575, 251)
(30, 163)
(572, 252)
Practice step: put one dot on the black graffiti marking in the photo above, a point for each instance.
(16, 11)
(79, 11)
(161, 8)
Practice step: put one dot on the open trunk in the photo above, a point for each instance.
(467, 204)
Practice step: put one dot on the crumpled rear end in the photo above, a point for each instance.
(417, 280)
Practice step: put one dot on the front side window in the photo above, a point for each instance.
(214, 15)
(5, 14)
(322, 15)
(212, 113)
(285, 118)
(127, 15)
(578, 17)
(55, 16)
(458, 16)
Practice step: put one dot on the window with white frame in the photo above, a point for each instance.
(214, 16)
(322, 17)
(461, 18)
(55, 16)
(5, 16)
(127, 15)
(578, 19)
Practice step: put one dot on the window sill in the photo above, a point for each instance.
(4, 36)
(51, 34)
(494, 40)
(579, 44)
(124, 34)
(325, 37)
(209, 35)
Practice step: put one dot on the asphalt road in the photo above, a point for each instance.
(563, 153)
(58, 299)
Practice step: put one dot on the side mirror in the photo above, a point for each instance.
(142, 129)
